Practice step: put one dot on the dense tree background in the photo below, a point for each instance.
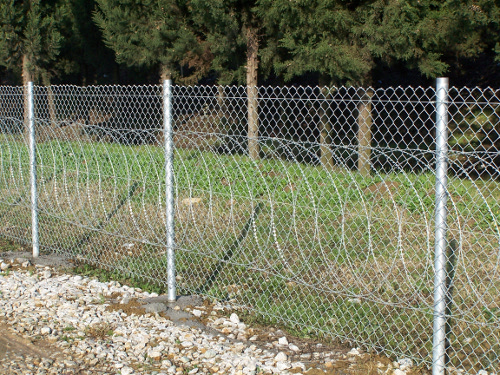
(30, 38)
(341, 42)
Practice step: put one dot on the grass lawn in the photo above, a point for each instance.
(325, 253)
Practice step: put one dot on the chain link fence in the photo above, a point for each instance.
(312, 207)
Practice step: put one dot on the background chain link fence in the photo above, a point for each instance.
(323, 223)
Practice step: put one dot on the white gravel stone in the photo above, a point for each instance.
(405, 363)
(127, 370)
(46, 274)
(155, 355)
(283, 366)
(283, 341)
(210, 354)
(166, 364)
(354, 351)
(234, 318)
(110, 341)
(4, 266)
(280, 357)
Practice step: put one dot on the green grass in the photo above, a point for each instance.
(331, 253)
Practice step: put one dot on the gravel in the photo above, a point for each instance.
(100, 328)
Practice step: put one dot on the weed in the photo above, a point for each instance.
(99, 331)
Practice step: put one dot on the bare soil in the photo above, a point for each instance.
(11, 343)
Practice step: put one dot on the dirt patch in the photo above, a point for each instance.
(11, 343)
(383, 189)
(52, 260)
(129, 308)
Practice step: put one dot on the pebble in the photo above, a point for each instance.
(4, 266)
(42, 302)
(154, 355)
(210, 354)
(354, 351)
(283, 341)
(46, 274)
(67, 311)
(126, 370)
(405, 363)
(280, 357)
(234, 318)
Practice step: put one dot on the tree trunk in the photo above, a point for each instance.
(27, 77)
(325, 126)
(222, 111)
(365, 133)
(252, 92)
(221, 101)
(50, 101)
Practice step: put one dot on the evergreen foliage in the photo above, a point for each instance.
(223, 24)
(315, 41)
(30, 39)
(319, 36)
(151, 34)
(83, 52)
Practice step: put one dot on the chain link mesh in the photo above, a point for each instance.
(330, 230)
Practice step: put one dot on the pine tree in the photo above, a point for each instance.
(30, 42)
(319, 36)
(429, 35)
(29, 36)
(152, 33)
(412, 32)
(238, 37)
(83, 51)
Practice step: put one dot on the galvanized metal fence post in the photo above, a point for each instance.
(439, 326)
(32, 152)
(169, 186)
